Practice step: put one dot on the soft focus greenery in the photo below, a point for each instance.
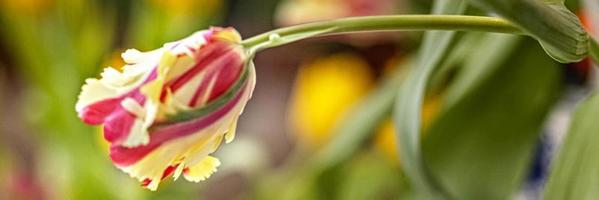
(470, 110)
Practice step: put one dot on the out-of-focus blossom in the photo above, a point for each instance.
(23, 185)
(590, 17)
(430, 109)
(188, 6)
(584, 19)
(325, 89)
(115, 60)
(172, 17)
(386, 139)
(293, 12)
(27, 7)
(170, 108)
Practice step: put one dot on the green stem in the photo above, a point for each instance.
(594, 50)
(387, 23)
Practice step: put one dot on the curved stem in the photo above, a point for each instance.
(388, 23)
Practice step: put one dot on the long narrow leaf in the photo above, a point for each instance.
(482, 62)
(407, 108)
(594, 51)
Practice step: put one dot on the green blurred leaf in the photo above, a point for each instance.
(369, 177)
(594, 51)
(575, 171)
(554, 1)
(558, 30)
(293, 183)
(151, 24)
(53, 53)
(480, 63)
(481, 146)
(407, 114)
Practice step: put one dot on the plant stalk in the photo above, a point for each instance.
(387, 23)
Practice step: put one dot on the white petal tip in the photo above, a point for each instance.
(131, 55)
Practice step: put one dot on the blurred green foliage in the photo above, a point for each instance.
(496, 91)
(54, 45)
(481, 135)
(575, 171)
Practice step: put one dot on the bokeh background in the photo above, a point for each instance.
(304, 90)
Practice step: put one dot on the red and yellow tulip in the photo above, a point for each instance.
(170, 108)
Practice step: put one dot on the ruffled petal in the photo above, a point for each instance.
(202, 170)
(181, 152)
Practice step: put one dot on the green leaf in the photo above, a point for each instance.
(481, 63)
(481, 145)
(368, 176)
(558, 30)
(594, 51)
(575, 171)
(556, 2)
(407, 108)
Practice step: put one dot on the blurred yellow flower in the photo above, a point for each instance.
(301, 11)
(430, 110)
(26, 7)
(201, 7)
(385, 140)
(114, 60)
(325, 89)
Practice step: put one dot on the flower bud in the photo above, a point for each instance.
(170, 108)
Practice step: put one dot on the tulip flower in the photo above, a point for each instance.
(170, 108)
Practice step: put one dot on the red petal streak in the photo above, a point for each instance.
(96, 113)
(116, 119)
(146, 182)
(207, 54)
(203, 87)
(123, 156)
(225, 74)
(229, 73)
(168, 171)
(118, 125)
